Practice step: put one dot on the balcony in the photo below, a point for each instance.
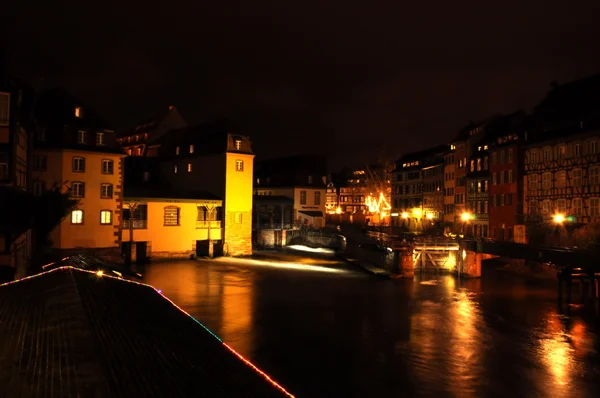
(208, 224)
(137, 224)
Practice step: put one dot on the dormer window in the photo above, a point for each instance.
(176, 150)
(192, 148)
(78, 112)
(99, 138)
(238, 145)
(81, 137)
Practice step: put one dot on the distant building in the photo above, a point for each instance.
(208, 158)
(300, 178)
(141, 140)
(76, 150)
(478, 185)
(450, 187)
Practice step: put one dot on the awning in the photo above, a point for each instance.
(312, 213)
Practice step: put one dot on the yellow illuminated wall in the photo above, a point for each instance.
(238, 204)
(176, 238)
(91, 233)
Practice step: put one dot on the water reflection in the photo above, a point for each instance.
(343, 333)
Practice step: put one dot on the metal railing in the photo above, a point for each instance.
(207, 224)
(137, 224)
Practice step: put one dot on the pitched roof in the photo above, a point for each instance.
(103, 336)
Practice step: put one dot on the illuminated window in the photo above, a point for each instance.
(472, 165)
(107, 166)
(561, 206)
(106, 191)
(192, 148)
(302, 197)
(546, 207)
(129, 151)
(100, 139)
(577, 207)
(533, 207)
(77, 217)
(594, 175)
(171, 216)
(547, 155)
(239, 165)
(594, 207)
(81, 136)
(560, 179)
(176, 150)
(478, 186)
(533, 182)
(577, 177)
(547, 181)
(238, 145)
(78, 189)
(78, 112)
(138, 151)
(189, 168)
(175, 168)
(105, 217)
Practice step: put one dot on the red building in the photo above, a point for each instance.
(506, 188)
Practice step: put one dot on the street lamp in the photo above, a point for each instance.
(405, 215)
(558, 219)
(430, 216)
(465, 217)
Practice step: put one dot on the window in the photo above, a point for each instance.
(561, 152)
(140, 216)
(594, 175)
(189, 168)
(546, 207)
(534, 157)
(78, 164)
(100, 139)
(106, 217)
(478, 164)
(4, 109)
(171, 216)
(486, 186)
(494, 158)
(577, 177)
(78, 112)
(317, 198)
(39, 187)
(547, 154)
(533, 207)
(78, 189)
(40, 163)
(107, 166)
(501, 157)
(561, 179)
(472, 165)
(510, 176)
(478, 186)
(138, 151)
(238, 145)
(594, 207)
(547, 181)
(501, 177)
(509, 155)
(77, 217)
(577, 207)
(494, 178)
(593, 147)
(533, 182)
(509, 199)
(239, 165)
(192, 148)
(175, 168)
(561, 206)
(302, 197)
(238, 218)
(176, 150)
(577, 150)
(106, 191)
(81, 135)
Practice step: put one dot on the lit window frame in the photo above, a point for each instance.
(103, 220)
(75, 220)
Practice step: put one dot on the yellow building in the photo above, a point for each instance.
(76, 152)
(214, 161)
(167, 225)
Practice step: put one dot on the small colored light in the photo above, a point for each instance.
(559, 218)
(99, 273)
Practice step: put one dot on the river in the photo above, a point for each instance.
(333, 331)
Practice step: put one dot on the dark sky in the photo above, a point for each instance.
(346, 78)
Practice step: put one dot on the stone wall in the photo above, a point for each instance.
(238, 235)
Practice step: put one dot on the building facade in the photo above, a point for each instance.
(478, 183)
(308, 203)
(76, 151)
(449, 187)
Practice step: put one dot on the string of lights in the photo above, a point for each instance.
(101, 274)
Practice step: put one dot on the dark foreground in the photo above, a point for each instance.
(336, 332)
(71, 333)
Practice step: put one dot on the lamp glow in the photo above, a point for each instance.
(99, 273)
(430, 216)
(465, 216)
(559, 218)
(417, 213)
(405, 215)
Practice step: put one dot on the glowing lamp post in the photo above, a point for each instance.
(405, 215)
(559, 220)
(465, 217)
(430, 216)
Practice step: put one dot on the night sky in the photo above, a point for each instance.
(348, 79)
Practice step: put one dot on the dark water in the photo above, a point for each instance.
(346, 334)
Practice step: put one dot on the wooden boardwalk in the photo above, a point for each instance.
(73, 333)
